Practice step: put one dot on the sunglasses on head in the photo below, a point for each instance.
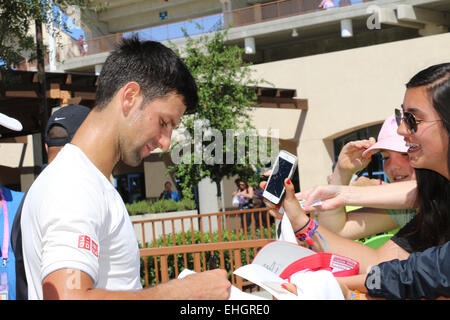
(409, 118)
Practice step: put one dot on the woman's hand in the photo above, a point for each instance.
(290, 206)
(351, 158)
(331, 197)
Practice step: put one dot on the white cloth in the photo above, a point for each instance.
(317, 285)
(287, 233)
(235, 201)
(74, 218)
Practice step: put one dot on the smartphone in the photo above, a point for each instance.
(283, 168)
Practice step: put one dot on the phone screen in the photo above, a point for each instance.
(279, 173)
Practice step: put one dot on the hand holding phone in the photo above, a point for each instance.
(283, 168)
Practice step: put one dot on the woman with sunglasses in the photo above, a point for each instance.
(425, 124)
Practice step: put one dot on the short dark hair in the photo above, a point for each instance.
(155, 67)
(57, 132)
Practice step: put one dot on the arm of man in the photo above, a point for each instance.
(74, 284)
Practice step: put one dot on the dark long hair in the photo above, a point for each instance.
(433, 189)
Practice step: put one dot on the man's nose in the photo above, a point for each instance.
(164, 142)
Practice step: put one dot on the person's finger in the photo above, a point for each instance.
(292, 288)
(270, 205)
(289, 189)
(290, 201)
(267, 173)
(276, 214)
(263, 184)
(273, 209)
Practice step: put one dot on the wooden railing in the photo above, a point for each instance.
(191, 241)
(161, 265)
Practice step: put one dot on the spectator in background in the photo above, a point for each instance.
(245, 194)
(168, 193)
(9, 203)
(61, 127)
(82, 45)
(343, 3)
(326, 4)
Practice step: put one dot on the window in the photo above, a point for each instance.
(131, 187)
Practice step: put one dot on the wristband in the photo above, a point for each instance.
(310, 230)
(309, 220)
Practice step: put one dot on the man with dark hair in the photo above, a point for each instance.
(78, 241)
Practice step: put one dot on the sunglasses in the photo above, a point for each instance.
(410, 120)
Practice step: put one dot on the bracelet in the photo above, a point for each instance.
(310, 230)
(355, 295)
(303, 226)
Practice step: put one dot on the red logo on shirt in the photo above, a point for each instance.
(85, 242)
(94, 248)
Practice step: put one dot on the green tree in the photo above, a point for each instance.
(227, 91)
(18, 17)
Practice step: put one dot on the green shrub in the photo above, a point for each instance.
(190, 257)
(149, 206)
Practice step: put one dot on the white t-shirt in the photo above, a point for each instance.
(74, 218)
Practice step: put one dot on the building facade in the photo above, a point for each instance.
(350, 63)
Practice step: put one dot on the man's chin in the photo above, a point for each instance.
(133, 161)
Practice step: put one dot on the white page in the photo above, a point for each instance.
(266, 280)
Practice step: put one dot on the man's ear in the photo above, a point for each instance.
(129, 97)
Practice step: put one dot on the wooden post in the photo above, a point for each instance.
(43, 108)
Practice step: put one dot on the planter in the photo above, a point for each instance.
(158, 224)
